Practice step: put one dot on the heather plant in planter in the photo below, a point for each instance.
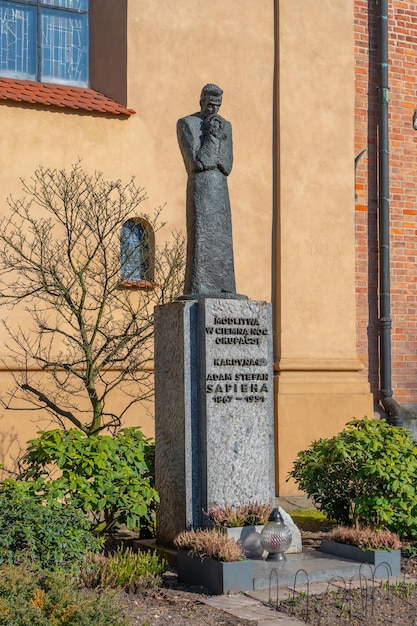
(251, 514)
(243, 523)
(211, 559)
(209, 543)
(380, 548)
(366, 538)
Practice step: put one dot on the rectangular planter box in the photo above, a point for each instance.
(218, 577)
(374, 557)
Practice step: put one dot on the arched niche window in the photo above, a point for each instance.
(136, 254)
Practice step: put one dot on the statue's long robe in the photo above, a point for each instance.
(210, 266)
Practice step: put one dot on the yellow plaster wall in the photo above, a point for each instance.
(173, 50)
(318, 387)
(316, 201)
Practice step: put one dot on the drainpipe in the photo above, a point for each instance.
(390, 405)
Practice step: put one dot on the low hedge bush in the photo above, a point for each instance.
(48, 533)
(364, 476)
(33, 597)
(125, 570)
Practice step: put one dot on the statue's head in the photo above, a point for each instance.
(210, 99)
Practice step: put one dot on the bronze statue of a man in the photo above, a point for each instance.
(205, 140)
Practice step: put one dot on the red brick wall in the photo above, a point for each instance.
(403, 192)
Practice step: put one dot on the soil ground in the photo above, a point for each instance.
(179, 605)
(343, 604)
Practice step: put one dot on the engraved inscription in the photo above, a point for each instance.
(230, 385)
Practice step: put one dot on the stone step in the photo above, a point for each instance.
(309, 565)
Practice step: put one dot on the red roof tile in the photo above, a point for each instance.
(59, 95)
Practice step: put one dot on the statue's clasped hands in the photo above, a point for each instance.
(214, 125)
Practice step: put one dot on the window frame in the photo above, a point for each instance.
(147, 281)
(42, 6)
(108, 70)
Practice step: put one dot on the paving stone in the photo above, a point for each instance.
(248, 608)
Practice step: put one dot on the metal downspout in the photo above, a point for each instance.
(392, 407)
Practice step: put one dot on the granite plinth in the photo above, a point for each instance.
(318, 566)
(213, 409)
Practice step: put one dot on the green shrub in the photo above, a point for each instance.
(104, 476)
(125, 569)
(366, 476)
(33, 597)
(51, 534)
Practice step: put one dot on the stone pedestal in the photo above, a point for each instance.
(213, 409)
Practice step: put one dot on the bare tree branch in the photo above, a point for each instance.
(56, 409)
(60, 250)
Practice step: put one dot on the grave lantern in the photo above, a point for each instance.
(276, 537)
